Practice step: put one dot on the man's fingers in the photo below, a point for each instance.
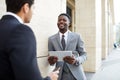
(57, 72)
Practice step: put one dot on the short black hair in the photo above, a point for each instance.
(65, 14)
(15, 5)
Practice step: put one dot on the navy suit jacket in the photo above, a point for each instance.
(17, 51)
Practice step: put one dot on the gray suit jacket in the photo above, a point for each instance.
(74, 44)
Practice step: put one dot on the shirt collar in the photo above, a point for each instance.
(65, 34)
(16, 16)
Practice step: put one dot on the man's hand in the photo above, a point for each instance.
(54, 75)
(52, 60)
(69, 59)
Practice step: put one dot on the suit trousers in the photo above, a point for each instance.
(66, 74)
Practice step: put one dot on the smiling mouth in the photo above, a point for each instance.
(61, 25)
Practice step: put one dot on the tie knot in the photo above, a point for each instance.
(63, 35)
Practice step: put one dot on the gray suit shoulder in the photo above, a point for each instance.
(75, 34)
(53, 36)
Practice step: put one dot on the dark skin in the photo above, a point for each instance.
(63, 25)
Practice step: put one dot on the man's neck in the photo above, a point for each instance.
(63, 31)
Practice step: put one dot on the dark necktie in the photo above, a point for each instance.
(66, 70)
(63, 42)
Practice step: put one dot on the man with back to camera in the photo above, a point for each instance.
(18, 45)
(65, 40)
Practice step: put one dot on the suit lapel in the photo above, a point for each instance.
(70, 36)
(69, 39)
(58, 40)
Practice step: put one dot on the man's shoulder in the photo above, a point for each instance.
(74, 34)
(12, 22)
(24, 27)
(53, 36)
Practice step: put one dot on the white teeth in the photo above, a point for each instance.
(61, 25)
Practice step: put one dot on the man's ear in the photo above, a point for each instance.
(26, 8)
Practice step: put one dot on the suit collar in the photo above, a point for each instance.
(58, 40)
(14, 15)
(70, 36)
(10, 18)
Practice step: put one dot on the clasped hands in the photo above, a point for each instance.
(69, 59)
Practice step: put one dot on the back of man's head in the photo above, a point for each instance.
(16, 5)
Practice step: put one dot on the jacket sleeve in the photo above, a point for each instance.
(50, 45)
(80, 52)
(22, 54)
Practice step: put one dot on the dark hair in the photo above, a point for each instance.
(65, 14)
(15, 5)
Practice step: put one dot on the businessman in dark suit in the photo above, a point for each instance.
(71, 67)
(18, 44)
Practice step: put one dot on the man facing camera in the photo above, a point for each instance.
(65, 40)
